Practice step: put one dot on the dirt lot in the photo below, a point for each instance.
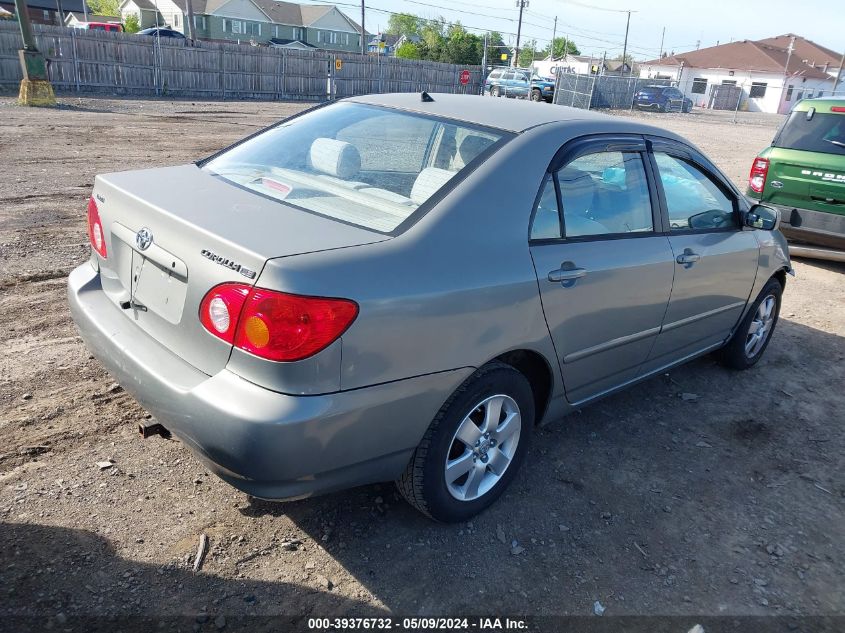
(728, 503)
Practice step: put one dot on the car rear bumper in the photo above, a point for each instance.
(812, 227)
(268, 444)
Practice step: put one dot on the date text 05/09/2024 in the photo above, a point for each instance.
(418, 624)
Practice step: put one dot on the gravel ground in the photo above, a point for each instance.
(729, 501)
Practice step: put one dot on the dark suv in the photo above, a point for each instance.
(662, 99)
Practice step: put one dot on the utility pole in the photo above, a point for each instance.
(363, 45)
(625, 45)
(552, 47)
(484, 64)
(35, 89)
(522, 4)
(190, 8)
(662, 35)
(837, 79)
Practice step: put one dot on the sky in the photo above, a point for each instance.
(597, 26)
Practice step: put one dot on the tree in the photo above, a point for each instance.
(561, 46)
(132, 24)
(403, 24)
(408, 50)
(528, 53)
(629, 59)
(104, 7)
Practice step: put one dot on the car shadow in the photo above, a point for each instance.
(68, 579)
(651, 500)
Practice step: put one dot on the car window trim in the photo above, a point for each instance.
(683, 152)
(594, 144)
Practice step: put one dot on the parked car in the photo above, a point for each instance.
(508, 82)
(100, 26)
(162, 31)
(542, 89)
(662, 99)
(515, 82)
(802, 174)
(314, 308)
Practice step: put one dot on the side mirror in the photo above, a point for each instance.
(762, 217)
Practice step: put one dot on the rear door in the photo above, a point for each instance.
(603, 267)
(715, 260)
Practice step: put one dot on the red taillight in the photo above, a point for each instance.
(837, 109)
(275, 325)
(757, 177)
(96, 235)
(220, 309)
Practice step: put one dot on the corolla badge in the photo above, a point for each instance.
(144, 238)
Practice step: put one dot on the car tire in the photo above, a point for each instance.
(536, 95)
(496, 91)
(496, 390)
(747, 344)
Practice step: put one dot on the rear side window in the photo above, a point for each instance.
(604, 193)
(821, 133)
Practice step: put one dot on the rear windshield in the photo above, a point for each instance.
(365, 165)
(822, 133)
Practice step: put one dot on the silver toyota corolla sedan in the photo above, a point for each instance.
(399, 287)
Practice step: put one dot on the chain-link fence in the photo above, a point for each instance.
(600, 91)
(736, 95)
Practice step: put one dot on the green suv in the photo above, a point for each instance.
(802, 174)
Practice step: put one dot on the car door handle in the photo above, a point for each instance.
(567, 274)
(688, 258)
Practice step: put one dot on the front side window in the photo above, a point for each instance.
(360, 164)
(693, 200)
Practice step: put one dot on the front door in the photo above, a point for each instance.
(715, 259)
(604, 271)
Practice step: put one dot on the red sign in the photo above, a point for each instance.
(464, 77)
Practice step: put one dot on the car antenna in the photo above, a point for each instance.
(425, 97)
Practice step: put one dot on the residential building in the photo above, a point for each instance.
(768, 76)
(46, 11)
(268, 22)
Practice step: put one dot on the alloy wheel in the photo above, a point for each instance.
(483, 447)
(761, 326)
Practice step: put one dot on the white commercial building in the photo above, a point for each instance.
(762, 76)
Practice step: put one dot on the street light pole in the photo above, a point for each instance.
(35, 89)
(837, 79)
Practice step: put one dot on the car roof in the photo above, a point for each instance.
(513, 115)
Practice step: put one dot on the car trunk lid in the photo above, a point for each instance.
(174, 233)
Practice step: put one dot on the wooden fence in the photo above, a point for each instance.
(123, 64)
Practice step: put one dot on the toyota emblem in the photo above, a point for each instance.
(144, 238)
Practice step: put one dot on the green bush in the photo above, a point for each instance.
(132, 24)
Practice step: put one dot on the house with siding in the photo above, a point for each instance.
(46, 11)
(266, 22)
(770, 76)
